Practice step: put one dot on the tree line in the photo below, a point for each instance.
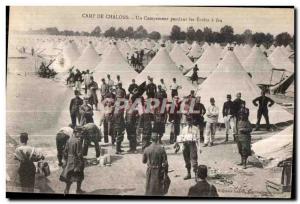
(224, 36)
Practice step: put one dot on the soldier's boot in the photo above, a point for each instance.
(226, 138)
(79, 190)
(242, 162)
(188, 176)
(118, 148)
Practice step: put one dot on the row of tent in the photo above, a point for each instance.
(223, 72)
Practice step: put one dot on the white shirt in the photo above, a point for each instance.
(163, 87)
(189, 134)
(212, 113)
(174, 86)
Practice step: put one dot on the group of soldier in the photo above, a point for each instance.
(121, 113)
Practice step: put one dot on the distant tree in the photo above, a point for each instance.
(52, 31)
(283, 39)
(269, 39)
(140, 32)
(247, 36)
(259, 38)
(96, 32)
(207, 34)
(199, 35)
(190, 34)
(83, 33)
(238, 38)
(129, 32)
(120, 33)
(111, 32)
(216, 37)
(154, 35)
(182, 35)
(175, 33)
(227, 34)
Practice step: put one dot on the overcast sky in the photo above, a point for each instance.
(268, 20)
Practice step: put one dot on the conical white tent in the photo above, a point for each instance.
(240, 52)
(276, 148)
(114, 64)
(178, 56)
(280, 61)
(70, 53)
(260, 68)
(207, 63)
(262, 48)
(125, 49)
(163, 67)
(88, 59)
(230, 78)
(185, 46)
(195, 51)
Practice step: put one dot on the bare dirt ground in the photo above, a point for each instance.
(40, 107)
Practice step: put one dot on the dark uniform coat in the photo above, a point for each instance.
(86, 113)
(203, 189)
(74, 169)
(156, 158)
(244, 138)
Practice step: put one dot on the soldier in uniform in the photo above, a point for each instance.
(175, 119)
(263, 103)
(146, 121)
(104, 89)
(160, 119)
(62, 137)
(198, 116)
(91, 133)
(118, 129)
(202, 188)
(27, 155)
(86, 112)
(131, 122)
(229, 117)
(110, 82)
(244, 137)
(157, 180)
(74, 108)
(93, 87)
(74, 169)
(151, 89)
(190, 138)
(132, 87)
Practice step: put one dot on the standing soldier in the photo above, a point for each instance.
(174, 88)
(91, 133)
(163, 85)
(145, 124)
(93, 87)
(131, 122)
(190, 138)
(78, 79)
(151, 89)
(198, 117)
(263, 103)
(161, 94)
(74, 169)
(86, 112)
(174, 119)
(244, 137)
(87, 80)
(107, 120)
(157, 180)
(110, 82)
(104, 89)
(211, 123)
(132, 87)
(27, 155)
(62, 137)
(74, 108)
(229, 117)
(118, 129)
(237, 104)
(160, 119)
(120, 92)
